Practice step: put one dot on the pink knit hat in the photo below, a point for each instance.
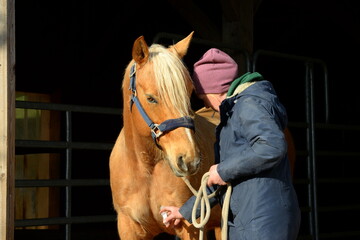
(214, 72)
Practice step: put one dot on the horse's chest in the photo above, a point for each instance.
(136, 203)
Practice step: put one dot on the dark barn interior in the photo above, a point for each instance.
(73, 54)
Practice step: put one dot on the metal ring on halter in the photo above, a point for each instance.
(156, 131)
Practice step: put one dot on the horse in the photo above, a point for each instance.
(162, 141)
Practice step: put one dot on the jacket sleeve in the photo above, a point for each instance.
(255, 142)
(186, 209)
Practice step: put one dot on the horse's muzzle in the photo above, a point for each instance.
(186, 167)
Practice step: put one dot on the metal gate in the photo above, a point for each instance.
(66, 182)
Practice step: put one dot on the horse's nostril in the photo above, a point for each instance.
(181, 163)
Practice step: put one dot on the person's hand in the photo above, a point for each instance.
(214, 177)
(173, 216)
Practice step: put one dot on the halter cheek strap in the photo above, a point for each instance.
(156, 129)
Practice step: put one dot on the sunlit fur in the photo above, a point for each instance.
(142, 177)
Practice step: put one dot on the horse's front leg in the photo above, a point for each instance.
(130, 230)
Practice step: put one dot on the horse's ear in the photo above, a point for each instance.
(181, 47)
(140, 51)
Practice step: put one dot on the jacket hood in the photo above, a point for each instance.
(262, 89)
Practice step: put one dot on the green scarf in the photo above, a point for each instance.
(247, 77)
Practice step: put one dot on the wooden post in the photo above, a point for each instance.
(7, 118)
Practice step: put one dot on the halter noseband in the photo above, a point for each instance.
(156, 129)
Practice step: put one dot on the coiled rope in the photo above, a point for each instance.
(202, 198)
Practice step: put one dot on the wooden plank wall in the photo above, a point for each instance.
(7, 118)
(42, 125)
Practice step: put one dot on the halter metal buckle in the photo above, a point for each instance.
(156, 131)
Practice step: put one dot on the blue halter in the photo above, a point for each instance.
(156, 129)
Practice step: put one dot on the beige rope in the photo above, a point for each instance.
(203, 198)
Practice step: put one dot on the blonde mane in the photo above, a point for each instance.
(172, 78)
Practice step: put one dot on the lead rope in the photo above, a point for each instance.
(203, 197)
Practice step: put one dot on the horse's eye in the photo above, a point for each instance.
(150, 99)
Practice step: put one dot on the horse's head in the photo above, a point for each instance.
(158, 87)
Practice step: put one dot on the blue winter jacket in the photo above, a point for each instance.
(251, 152)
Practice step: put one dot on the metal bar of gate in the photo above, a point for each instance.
(68, 164)
(309, 85)
(64, 220)
(68, 182)
(67, 107)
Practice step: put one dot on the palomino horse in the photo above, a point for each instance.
(157, 144)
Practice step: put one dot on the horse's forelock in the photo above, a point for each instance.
(173, 78)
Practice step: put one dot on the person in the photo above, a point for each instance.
(250, 152)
